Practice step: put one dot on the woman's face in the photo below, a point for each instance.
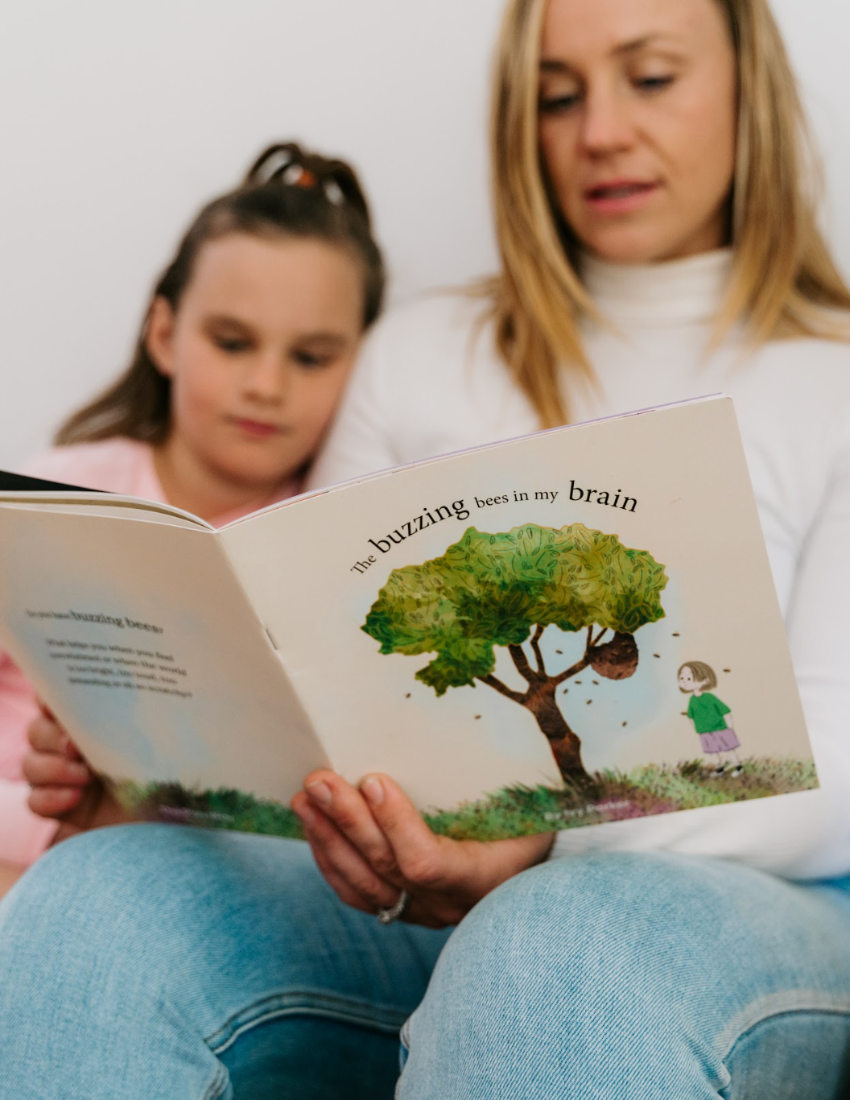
(637, 124)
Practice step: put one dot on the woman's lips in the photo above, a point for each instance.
(258, 429)
(620, 196)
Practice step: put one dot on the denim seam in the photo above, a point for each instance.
(305, 1003)
(218, 1084)
(759, 1013)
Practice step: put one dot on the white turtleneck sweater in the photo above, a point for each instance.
(430, 381)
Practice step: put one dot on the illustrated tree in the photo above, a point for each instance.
(504, 589)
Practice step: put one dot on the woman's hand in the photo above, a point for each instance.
(371, 844)
(62, 784)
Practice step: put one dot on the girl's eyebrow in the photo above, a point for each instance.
(225, 319)
(334, 338)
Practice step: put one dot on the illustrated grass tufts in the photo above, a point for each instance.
(512, 811)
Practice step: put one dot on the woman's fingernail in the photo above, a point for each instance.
(321, 792)
(372, 790)
(307, 816)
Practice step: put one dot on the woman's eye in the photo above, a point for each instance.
(555, 104)
(653, 83)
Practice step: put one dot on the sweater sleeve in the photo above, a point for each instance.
(23, 835)
(818, 624)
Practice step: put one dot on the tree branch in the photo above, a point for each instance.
(579, 666)
(535, 645)
(599, 636)
(503, 689)
(522, 665)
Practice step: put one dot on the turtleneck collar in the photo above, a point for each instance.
(674, 292)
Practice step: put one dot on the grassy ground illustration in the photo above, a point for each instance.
(220, 809)
(514, 811)
(611, 796)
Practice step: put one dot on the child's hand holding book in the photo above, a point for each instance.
(63, 785)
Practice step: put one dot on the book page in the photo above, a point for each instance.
(79, 502)
(143, 643)
(517, 616)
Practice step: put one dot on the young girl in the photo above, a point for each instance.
(245, 347)
(710, 715)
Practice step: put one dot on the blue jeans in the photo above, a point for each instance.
(159, 963)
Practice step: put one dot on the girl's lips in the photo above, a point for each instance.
(620, 196)
(257, 428)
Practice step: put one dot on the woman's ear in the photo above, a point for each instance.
(159, 336)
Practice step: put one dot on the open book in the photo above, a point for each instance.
(572, 627)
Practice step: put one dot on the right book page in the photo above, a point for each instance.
(569, 628)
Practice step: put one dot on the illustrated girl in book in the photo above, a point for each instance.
(711, 717)
(245, 346)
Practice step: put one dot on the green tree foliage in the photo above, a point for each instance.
(502, 590)
(494, 590)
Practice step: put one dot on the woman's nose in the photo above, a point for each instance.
(606, 122)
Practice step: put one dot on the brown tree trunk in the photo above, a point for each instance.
(565, 746)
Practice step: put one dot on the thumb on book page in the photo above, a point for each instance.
(416, 847)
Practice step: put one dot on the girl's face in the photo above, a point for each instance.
(637, 124)
(258, 352)
(689, 683)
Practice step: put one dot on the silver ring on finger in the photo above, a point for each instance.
(387, 916)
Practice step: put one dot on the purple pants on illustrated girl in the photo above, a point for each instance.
(719, 740)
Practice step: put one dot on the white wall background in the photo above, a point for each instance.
(117, 120)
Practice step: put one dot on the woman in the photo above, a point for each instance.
(660, 133)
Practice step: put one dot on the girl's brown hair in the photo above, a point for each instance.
(784, 282)
(287, 192)
(701, 672)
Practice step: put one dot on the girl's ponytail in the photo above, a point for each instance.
(287, 163)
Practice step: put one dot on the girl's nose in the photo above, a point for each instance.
(266, 379)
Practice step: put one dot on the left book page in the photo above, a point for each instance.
(131, 624)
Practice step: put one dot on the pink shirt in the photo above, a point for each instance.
(118, 465)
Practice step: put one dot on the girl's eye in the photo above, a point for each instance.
(231, 345)
(311, 360)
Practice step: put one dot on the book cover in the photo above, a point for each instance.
(574, 627)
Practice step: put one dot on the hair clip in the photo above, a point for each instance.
(277, 162)
(296, 175)
(333, 192)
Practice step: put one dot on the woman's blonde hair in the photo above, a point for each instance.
(784, 281)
